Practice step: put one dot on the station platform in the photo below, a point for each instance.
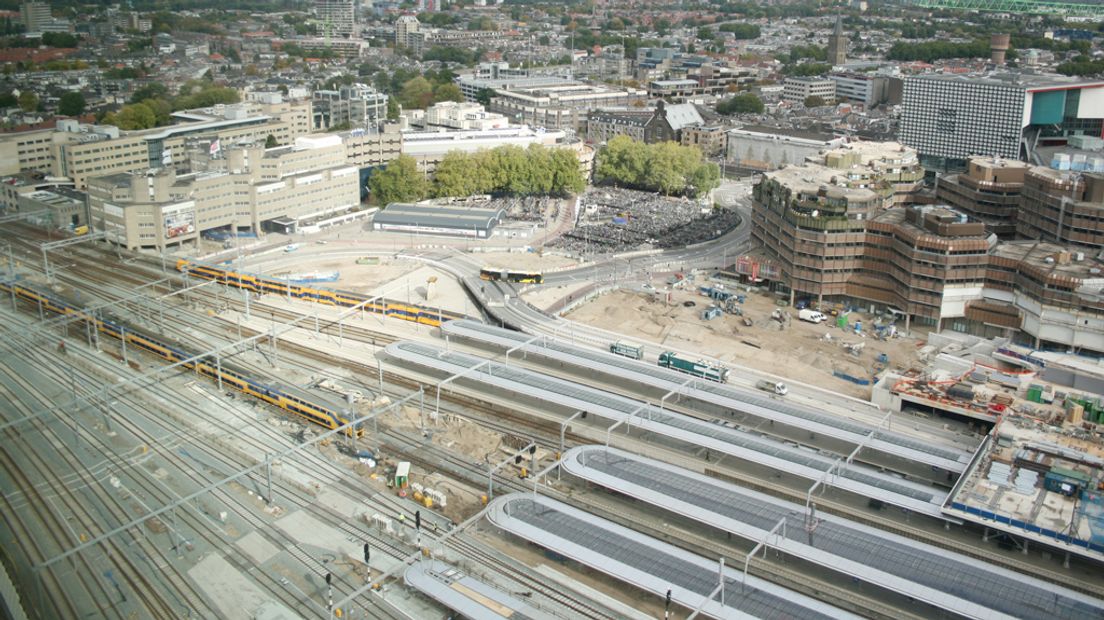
(649, 564)
(803, 462)
(726, 396)
(945, 580)
(466, 595)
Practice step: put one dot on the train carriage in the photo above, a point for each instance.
(301, 407)
(406, 312)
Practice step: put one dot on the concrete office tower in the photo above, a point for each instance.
(406, 27)
(34, 15)
(837, 45)
(998, 45)
(337, 17)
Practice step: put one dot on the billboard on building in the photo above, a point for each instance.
(179, 219)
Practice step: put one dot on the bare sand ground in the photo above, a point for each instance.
(798, 350)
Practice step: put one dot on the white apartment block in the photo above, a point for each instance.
(337, 17)
(796, 89)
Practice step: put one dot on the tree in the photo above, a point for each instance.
(458, 174)
(270, 142)
(162, 111)
(665, 167)
(746, 103)
(416, 93)
(742, 31)
(814, 101)
(134, 116)
(483, 96)
(28, 101)
(623, 160)
(567, 178)
(393, 109)
(8, 100)
(447, 92)
(400, 181)
(703, 178)
(153, 90)
(71, 104)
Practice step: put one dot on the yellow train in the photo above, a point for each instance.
(318, 414)
(263, 285)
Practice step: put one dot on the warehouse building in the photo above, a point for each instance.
(434, 219)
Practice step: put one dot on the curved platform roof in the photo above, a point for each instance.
(649, 564)
(940, 578)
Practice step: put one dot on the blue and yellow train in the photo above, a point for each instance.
(330, 297)
(206, 366)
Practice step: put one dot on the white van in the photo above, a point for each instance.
(811, 316)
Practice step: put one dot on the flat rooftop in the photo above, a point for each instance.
(1036, 254)
(809, 178)
(1009, 79)
(1038, 482)
(803, 134)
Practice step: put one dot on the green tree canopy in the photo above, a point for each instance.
(537, 170)
(814, 101)
(447, 92)
(28, 101)
(416, 93)
(483, 96)
(665, 167)
(746, 103)
(71, 104)
(153, 90)
(400, 181)
(741, 31)
(133, 116)
(392, 109)
(270, 142)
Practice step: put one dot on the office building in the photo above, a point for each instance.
(864, 88)
(766, 148)
(428, 148)
(79, 151)
(797, 89)
(988, 192)
(249, 188)
(351, 105)
(548, 101)
(337, 17)
(1063, 207)
(837, 240)
(950, 118)
(466, 115)
(37, 18)
(711, 140)
(406, 29)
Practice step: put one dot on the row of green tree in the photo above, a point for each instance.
(537, 170)
(151, 105)
(46, 39)
(1081, 65)
(665, 167)
(928, 51)
(741, 31)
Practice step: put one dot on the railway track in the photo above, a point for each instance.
(133, 575)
